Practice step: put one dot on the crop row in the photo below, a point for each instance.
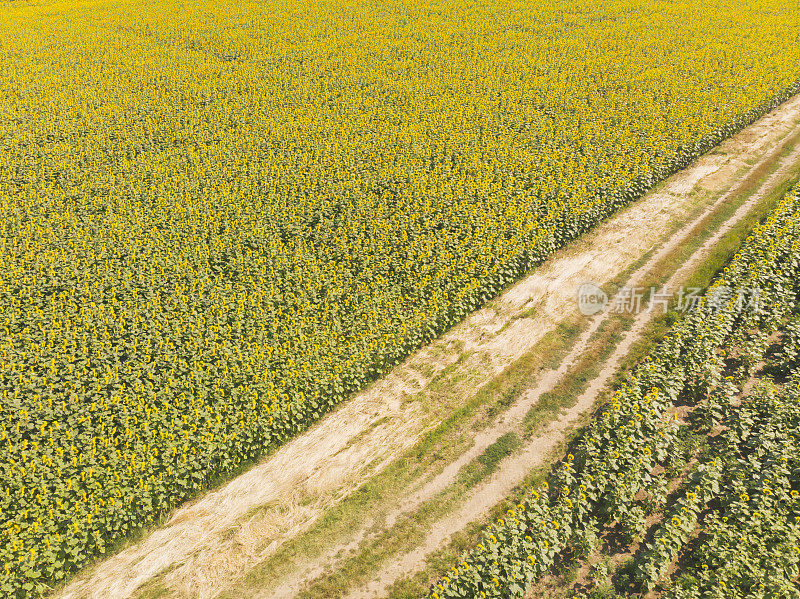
(744, 504)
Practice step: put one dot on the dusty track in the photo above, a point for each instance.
(206, 545)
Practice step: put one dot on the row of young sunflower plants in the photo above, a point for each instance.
(679, 525)
(745, 429)
(749, 538)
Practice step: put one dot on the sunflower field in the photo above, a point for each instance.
(219, 219)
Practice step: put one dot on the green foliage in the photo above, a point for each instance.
(504, 446)
(751, 536)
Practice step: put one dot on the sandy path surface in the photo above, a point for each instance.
(513, 470)
(209, 543)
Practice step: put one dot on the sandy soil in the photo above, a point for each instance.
(209, 543)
